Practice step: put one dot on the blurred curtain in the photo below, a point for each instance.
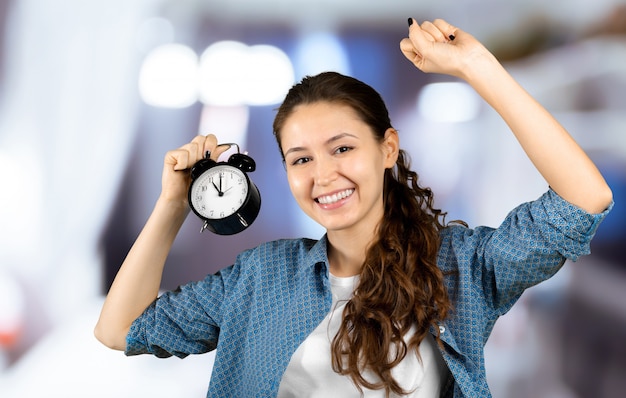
(67, 116)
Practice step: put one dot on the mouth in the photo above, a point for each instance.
(336, 197)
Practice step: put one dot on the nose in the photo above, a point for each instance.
(325, 171)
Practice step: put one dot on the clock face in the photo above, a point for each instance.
(219, 192)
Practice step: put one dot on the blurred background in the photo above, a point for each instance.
(92, 95)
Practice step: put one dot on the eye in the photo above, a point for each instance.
(301, 160)
(343, 149)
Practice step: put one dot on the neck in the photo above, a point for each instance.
(346, 252)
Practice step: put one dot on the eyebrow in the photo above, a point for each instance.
(328, 141)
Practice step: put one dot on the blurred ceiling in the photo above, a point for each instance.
(482, 17)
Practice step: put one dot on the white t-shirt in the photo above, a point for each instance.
(310, 373)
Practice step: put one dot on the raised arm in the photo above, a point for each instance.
(439, 47)
(138, 281)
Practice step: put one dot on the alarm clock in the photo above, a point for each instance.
(222, 194)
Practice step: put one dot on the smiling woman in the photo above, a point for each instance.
(356, 182)
(336, 162)
(397, 301)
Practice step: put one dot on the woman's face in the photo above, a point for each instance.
(335, 166)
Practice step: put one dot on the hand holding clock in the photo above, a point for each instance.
(175, 178)
(184, 186)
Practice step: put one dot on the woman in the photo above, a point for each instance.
(390, 302)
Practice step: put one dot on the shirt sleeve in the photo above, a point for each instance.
(182, 322)
(530, 246)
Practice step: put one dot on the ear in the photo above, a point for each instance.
(391, 147)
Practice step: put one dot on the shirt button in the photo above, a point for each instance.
(442, 329)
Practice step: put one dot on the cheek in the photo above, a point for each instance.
(366, 168)
(297, 184)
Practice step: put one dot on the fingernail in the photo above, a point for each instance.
(410, 21)
(451, 37)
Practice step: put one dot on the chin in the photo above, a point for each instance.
(333, 223)
(336, 226)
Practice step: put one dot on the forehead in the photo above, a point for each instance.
(319, 121)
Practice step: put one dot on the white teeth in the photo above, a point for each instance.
(335, 197)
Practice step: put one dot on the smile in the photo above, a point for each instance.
(329, 199)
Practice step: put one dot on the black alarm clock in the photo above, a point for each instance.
(222, 194)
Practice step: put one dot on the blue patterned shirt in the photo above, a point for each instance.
(259, 310)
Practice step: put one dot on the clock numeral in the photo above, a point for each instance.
(222, 214)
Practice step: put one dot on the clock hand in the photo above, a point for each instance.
(219, 191)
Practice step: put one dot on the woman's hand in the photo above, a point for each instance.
(438, 47)
(178, 162)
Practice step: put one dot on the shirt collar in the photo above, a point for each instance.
(318, 252)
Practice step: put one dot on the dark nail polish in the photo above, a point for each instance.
(451, 37)
(410, 21)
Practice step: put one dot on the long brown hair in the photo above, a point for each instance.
(400, 284)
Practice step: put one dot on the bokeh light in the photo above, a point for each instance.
(169, 77)
(232, 73)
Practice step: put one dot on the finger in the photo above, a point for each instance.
(178, 158)
(210, 143)
(434, 31)
(220, 149)
(417, 46)
(187, 155)
(213, 148)
(448, 30)
(420, 39)
(196, 147)
(407, 48)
